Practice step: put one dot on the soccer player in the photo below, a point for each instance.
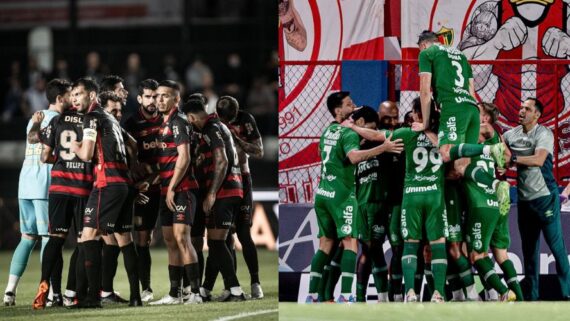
(446, 70)
(371, 195)
(177, 201)
(115, 84)
(422, 204)
(538, 201)
(223, 193)
(71, 184)
(107, 209)
(33, 187)
(335, 201)
(248, 143)
(144, 127)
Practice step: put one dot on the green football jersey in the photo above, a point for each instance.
(424, 170)
(450, 74)
(370, 187)
(337, 173)
(480, 195)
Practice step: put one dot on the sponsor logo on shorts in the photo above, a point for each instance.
(476, 231)
(347, 216)
(404, 225)
(548, 213)
(180, 217)
(180, 208)
(452, 127)
(346, 229)
(111, 225)
(445, 227)
(454, 229)
(88, 210)
(492, 203)
(378, 230)
(420, 189)
(324, 193)
(86, 219)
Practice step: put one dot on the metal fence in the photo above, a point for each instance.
(304, 86)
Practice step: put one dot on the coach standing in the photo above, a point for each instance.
(532, 146)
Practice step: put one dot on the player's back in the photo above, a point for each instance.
(110, 153)
(450, 72)
(35, 176)
(70, 175)
(335, 144)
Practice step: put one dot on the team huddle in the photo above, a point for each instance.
(433, 186)
(110, 181)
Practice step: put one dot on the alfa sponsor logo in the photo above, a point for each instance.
(347, 214)
(476, 232)
(404, 224)
(452, 127)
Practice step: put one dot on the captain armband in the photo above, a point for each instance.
(90, 134)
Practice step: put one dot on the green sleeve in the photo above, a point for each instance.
(425, 59)
(402, 133)
(350, 141)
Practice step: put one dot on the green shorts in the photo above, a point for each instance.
(394, 229)
(480, 226)
(458, 123)
(501, 238)
(454, 207)
(374, 221)
(423, 209)
(338, 217)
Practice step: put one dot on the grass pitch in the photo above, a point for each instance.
(476, 311)
(265, 309)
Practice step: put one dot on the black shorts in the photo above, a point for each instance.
(109, 209)
(245, 214)
(199, 224)
(62, 210)
(223, 213)
(146, 214)
(185, 207)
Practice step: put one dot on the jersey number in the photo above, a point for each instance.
(487, 167)
(422, 156)
(327, 150)
(461, 81)
(65, 139)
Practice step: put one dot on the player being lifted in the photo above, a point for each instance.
(72, 180)
(144, 126)
(447, 72)
(335, 201)
(248, 143)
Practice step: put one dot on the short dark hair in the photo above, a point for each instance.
(147, 84)
(199, 96)
(56, 87)
(87, 83)
(537, 104)
(427, 35)
(490, 109)
(105, 96)
(227, 107)
(193, 105)
(108, 82)
(170, 84)
(366, 112)
(334, 100)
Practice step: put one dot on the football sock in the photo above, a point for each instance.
(93, 267)
(323, 283)
(230, 244)
(317, 265)
(71, 274)
(109, 263)
(130, 261)
(466, 276)
(52, 253)
(479, 175)
(453, 279)
(249, 252)
(45, 240)
(410, 263)
(80, 273)
(467, 150)
(363, 270)
(225, 262)
(55, 279)
(144, 264)
(347, 268)
(185, 280)
(19, 262)
(419, 277)
(192, 272)
(485, 268)
(211, 272)
(429, 277)
(439, 266)
(175, 277)
(379, 268)
(396, 270)
(334, 274)
(511, 278)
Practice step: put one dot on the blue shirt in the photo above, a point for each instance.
(35, 176)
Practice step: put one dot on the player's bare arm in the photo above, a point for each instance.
(253, 148)
(220, 168)
(182, 163)
(47, 155)
(34, 134)
(389, 146)
(85, 149)
(535, 160)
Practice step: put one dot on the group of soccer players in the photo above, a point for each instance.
(171, 159)
(430, 185)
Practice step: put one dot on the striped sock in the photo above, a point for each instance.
(410, 263)
(347, 268)
(317, 265)
(439, 266)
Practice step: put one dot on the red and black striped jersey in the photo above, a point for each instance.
(217, 135)
(145, 131)
(174, 131)
(245, 127)
(69, 175)
(110, 155)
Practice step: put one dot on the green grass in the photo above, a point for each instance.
(160, 284)
(476, 311)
